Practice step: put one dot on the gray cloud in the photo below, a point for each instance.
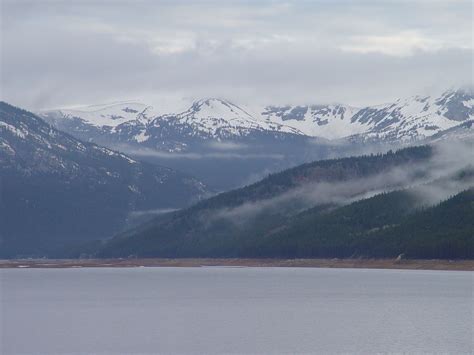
(153, 212)
(226, 146)
(225, 153)
(57, 53)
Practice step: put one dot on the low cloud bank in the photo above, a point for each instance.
(158, 211)
(226, 152)
(431, 181)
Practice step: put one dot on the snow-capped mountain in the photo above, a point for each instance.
(281, 135)
(463, 131)
(222, 119)
(409, 119)
(131, 122)
(417, 117)
(137, 123)
(326, 121)
(56, 188)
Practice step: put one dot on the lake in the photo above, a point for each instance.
(213, 310)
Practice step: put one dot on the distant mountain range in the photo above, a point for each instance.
(412, 118)
(63, 197)
(248, 142)
(56, 190)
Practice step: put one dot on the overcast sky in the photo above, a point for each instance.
(61, 53)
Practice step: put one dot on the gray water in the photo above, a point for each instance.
(235, 310)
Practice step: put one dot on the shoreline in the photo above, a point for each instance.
(407, 264)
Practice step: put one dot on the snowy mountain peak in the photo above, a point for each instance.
(457, 105)
(417, 117)
(327, 121)
(219, 108)
(109, 115)
(218, 118)
(408, 119)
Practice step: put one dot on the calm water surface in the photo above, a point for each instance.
(235, 310)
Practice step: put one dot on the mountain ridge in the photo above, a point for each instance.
(55, 189)
(228, 145)
(330, 208)
(413, 118)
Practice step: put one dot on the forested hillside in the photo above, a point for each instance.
(56, 191)
(370, 206)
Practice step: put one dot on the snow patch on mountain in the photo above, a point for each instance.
(217, 117)
(17, 132)
(325, 121)
(417, 117)
(110, 115)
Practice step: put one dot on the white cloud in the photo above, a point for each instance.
(58, 53)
